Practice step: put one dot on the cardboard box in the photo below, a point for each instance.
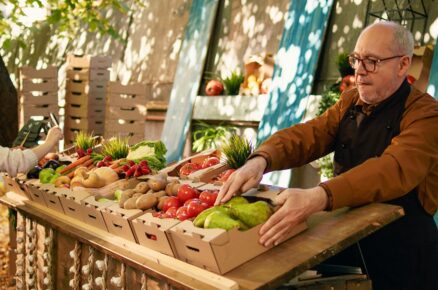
(88, 74)
(218, 250)
(87, 61)
(36, 192)
(152, 232)
(173, 170)
(71, 202)
(118, 220)
(91, 212)
(208, 174)
(420, 67)
(49, 192)
(28, 72)
(12, 184)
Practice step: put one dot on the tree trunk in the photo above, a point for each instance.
(8, 108)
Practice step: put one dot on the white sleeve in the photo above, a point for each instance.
(14, 161)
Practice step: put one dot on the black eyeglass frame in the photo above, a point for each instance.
(351, 58)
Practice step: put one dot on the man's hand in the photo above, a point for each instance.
(243, 179)
(296, 206)
(54, 135)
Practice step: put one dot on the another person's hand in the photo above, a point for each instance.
(243, 179)
(296, 206)
(54, 135)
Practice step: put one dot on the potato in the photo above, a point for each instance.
(128, 192)
(157, 183)
(159, 194)
(130, 203)
(169, 188)
(146, 201)
(142, 187)
(175, 188)
(137, 194)
(123, 199)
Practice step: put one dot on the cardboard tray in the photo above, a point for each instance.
(117, 221)
(49, 192)
(206, 175)
(91, 212)
(71, 202)
(36, 193)
(173, 170)
(218, 250)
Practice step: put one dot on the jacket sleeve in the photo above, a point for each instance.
(302, 143)
(403, 165)
(14, 161)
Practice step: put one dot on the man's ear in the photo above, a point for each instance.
(405, 64)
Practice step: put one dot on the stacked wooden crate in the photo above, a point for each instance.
(125, 111)
(38, 93)
(87, 80)
(155, 116)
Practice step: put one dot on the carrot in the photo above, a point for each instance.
(88, 163)
(115, 164)
(71, 174)
(75, 164)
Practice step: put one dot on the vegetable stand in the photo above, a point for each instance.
(85, 256)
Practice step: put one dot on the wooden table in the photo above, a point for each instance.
(327, 235)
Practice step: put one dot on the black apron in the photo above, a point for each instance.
(404, 254)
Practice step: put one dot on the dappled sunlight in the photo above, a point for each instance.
(248, 28)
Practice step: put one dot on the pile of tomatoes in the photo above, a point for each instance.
(188, 203)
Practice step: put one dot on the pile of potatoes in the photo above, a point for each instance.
(149, 194)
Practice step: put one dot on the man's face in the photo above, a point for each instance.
(376, 43)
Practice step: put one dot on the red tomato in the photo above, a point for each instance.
(171, 212)
(210, 161)
(209, 197)
(186, 203)
(214, 88)
(171, 201)
(186, 192)
(196, 207)
(181, 213)
(189, 168)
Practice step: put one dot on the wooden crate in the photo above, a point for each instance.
(127, 102)
(87, 101)
(133, 137)
(27, 72)
(84, 111)
(75, 124)
(87, 87)
(135, 127)
(41, 111)
(46, 85)
(39, 98)
(88, 61)
(88, 74)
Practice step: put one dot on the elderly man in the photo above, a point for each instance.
(385, 138)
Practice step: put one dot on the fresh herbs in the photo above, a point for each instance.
(85, 140)
(237, 150)
(117, 148)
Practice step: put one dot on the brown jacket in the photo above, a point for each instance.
(410, 161)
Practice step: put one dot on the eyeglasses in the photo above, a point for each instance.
(368, 64)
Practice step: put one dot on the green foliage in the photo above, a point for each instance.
(329, 98)
(232, 83)
(206, 136)
(237, 149)
(116, 147)
(23, 42)
(344, 67)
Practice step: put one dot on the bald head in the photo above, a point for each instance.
(401, 42)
